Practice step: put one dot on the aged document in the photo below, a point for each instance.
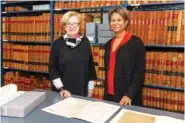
(128, 116)
(92, 111)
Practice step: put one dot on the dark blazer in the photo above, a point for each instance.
(129, 70)
(74, 66)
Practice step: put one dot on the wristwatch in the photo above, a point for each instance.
(61, 89)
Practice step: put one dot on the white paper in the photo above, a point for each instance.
(158, 119)
(92, 111)
(166, 119)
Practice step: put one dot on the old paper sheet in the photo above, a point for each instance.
(92, 111)
(128, 116)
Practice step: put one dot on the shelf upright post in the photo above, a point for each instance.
(52, 29)
(125, 3)
(1, 46)
(51, 22)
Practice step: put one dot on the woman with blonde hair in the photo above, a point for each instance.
(124, 62)
(71, 67)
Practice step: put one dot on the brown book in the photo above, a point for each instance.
(165, 30)
(78, 4)
(148, 97)
(56, 5)
(4, 28)
(173, 69)
(150, 101)
(131, 22)
(95, 95)
(169, 67)
(159, 69)
(182, 102)
(33, 38)
(163, 76)
(22, 57)
(150, 17)
(147, 67)
(155, 67)
(26, 57)
(179, 26)
(36, 30)
(157, 98)
(182, 29)
(161, 99)
(174, 27)
(175, 97)
(181, 68)
(29, 29)
(161, 29)
(134, 22)
(142, 26)
(168, 100)
(146, 30)
(165, 99)
(136, 17)
(153, 94)
(144, 95)
(138, 25)
(24, 37)
(152, 81)
(154, 27)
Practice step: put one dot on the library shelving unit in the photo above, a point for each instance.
(53, 33)
(26, 30)
(162, 88)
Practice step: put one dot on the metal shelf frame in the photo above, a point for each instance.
(21, 70)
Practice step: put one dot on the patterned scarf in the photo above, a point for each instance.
(72, 42)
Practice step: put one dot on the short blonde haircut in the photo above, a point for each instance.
(69, 14)
(121, 11)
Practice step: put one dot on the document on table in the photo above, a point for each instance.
(92, 111)
(128, 116)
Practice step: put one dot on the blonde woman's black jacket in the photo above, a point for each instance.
(129, 70)
(74, 66)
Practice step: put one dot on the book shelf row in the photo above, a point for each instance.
(26, 57)
(145, 24)
(27, 82)
(170, 23)
(85, 4)
(163, 99)
(27, 28)
(166, 70)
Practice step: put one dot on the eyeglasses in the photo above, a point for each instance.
(72, 24)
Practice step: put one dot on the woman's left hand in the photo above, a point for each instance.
(125, 101)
